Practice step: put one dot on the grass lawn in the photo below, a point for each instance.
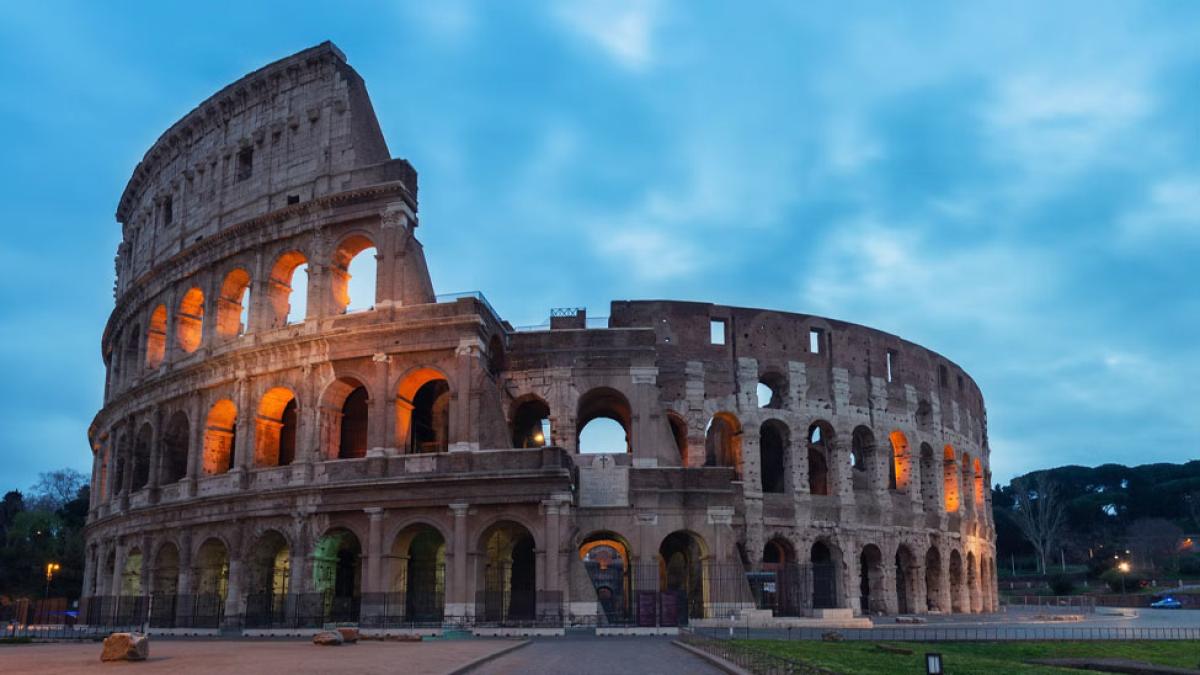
(975, 657)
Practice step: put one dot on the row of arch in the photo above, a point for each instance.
(353, 258)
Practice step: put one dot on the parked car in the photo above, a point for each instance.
(1167, 603)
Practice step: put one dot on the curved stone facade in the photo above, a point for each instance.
(425, 455)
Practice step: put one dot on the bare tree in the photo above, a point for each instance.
(1038, 513)
(1154, 541)
(56, 488)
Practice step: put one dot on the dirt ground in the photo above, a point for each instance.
(180, 657)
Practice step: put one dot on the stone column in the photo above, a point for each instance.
(374, 549)
(458, 594)
(917, 590)
(118, 567)
(462, 431)
(234, 600)
(156, 451)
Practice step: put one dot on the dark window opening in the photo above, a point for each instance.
(354, 425)
(943, 377)
(293, 199)
(245, 164)
(168, 211)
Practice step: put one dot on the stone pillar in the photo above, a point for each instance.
(374, 549)
(234, 600)
(118, 567)
(917, 590)
(646, 418)
(184, 584)
(462, 431)
(156, 451)
(198, 420)
(849, 583)
(458, 594)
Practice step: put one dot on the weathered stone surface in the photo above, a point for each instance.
(328, 638)
(413, 425)
(125, 647)
(349, 634)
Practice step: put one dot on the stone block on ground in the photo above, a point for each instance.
(328, 638)
(349, 634)
(125, 647)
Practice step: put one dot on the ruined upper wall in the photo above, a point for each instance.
(851, 362)
(299, 128)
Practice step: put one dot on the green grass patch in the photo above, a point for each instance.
(862, 658)
(15, 640)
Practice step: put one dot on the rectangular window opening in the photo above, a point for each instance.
(245, 165)
(891, 363)
(293, 199)
(716, 331)
(942, 376)
(168, 211)
(814, 340)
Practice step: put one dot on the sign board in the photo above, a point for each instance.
(603, 484)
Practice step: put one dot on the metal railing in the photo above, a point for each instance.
(1085, 604)
(950, 633)
(750, 659)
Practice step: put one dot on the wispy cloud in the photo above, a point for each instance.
(623, 30)
(1171, 210)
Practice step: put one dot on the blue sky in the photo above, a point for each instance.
(1014, 186)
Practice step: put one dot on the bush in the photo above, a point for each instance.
(1190, 566)
(1132, 581)
(1062, 584)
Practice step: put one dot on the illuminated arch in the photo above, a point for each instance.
(275, 428)
(344, 255)
(280, 289)
(189, 320)
(900, 476)
(220, 437)
(950, 479)
(723, 442)
(156, 337)
(233, 303)
(423, 411)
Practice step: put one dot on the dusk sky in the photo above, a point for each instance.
(1014, 186)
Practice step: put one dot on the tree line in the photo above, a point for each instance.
(1102, 515)
(40, 526)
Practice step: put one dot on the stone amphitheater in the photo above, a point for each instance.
(268, 455)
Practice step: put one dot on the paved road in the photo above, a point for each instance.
(598, 656)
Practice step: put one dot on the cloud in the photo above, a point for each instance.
(1055, 125)
(651, 255)
(623, 31)
(1170, 210)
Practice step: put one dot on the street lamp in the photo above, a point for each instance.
(1123, 566)
(51, 568)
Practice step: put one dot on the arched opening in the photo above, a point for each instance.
(773, 445)
(509, 574)
(972, 582)
(965, 484)
(531, 423)
(166, 570)
(772, 390)
(423, 411)
(681, 557)
(980, 486)
(906, 580)
(779, 587)
(956, 582)
(950, 479)
(345, 416)
(820, 447)
(870, 580)
(234, 304)
(141, 457)
(174, 458)
(220, 437)
(723, 442)
(824, 576)
(864, 475)
(929, 479)
(900, 466)
(679, 434)
(287, 290)
(212, 571)
(431, 418)
(189, 320)
(129, 357)
(131, 574)
(418, 573)
(337, 574)
(603, 421)
(156, 337)
(606, 558)
(933, 580)
(353, 275)
(267, 579)
(275, 428)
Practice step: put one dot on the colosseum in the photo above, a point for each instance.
(268, 456)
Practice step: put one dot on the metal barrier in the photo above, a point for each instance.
(961, 633)
(1061, 603)
(751, 659)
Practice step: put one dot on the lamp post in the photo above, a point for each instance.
(51, 568)
(1123, 566)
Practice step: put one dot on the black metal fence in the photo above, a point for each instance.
(750, 659)
(950, 633)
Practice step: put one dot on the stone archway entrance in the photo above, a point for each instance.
(509, 574)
